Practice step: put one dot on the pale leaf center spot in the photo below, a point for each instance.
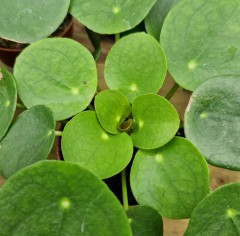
(192, 65)
(7, 104)
(75, 91)
(159, 158)
(65, 203)
(116, 10)
(140, 123)
(231, 213)
(1, 75)
(203, 115)
(118, 118)
(133, 87)
(104, 136)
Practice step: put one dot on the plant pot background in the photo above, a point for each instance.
(180, 99)
(8, 55)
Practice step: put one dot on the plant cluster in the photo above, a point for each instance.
(127, 125)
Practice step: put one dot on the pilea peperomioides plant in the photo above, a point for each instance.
(126, 127)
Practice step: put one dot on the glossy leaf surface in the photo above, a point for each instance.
(59, 73)
(27, 21)
(145, 221)
(212, 121)
(217, 214)
(155, 121)
(201, 40)
(112, 108)
(28, 140)
(8, 98)
(135, 65)
(110, 16)
(172, 179)
(85, 142)
(58, 198)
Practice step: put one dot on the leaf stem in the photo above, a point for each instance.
(117, 37)
(19, 105)
(124, 189)
(91, 107)
(172, 91)
(58, 133)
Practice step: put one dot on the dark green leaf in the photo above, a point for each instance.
(112, 108)
(85, 142)
(155, 18)
(8, 97)
(145, 221)
(27, 21)
(155, 121)
(212, 121)
(201, 40)
(172, 179)
(29, 140)
(135, 65)
(59, 73)
(217, 214)
(110, 16)
(57, 198)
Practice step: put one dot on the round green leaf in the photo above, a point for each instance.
(212, 121)
(29, 140)
(155, 121)
(57, 72)
(201, 40)
(8, 98)
(135, 65)
(27, 21)
(112, 108)
(110, 16)
(155, 18)
(172, 179)
(85, 142)
(217, 214)
(58, 198)
(145, 221)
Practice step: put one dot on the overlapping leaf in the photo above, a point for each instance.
(57, 72)
(135, 65)
(53, 197)
(8, 97)
(27, 21)
(201, 40)
(84, 141)
(172, 179)
(29, 140)
(212, 121)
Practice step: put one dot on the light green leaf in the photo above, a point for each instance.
(112, 108)
(155, 121)
(145, 221)
(27, 21)
(29, 140)
(217, 214)
(172, 179)
(135, 65)
(212, 121)
(201, 40)
(59, 73)
(155, 18)
(85, 142)
(57, 198)
(8, 98)
(110, 16)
